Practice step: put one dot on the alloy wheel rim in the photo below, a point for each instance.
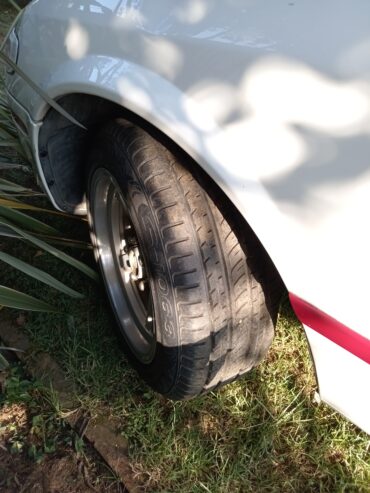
(123, 265)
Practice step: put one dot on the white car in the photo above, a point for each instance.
(222, 151)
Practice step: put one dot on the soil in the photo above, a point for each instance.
(64, 471)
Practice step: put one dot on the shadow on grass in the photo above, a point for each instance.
(262, 433)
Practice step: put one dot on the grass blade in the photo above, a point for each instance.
(5, 131)
(19, 12)
(15, 299)
(8, 188)
(14, 349)
(39, 91)
(65, 242)
(8, 143)
(11, 166)
(7, 232)
(16, 204)
(53, 251)
(15, 5)
(27, 222)
(12, 187)
(4, 364)
(39, 275)
(12, 195)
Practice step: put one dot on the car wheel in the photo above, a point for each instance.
(190, 311)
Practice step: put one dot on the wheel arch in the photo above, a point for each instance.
(129, 91)
(61, 144)
(152, 101)
(59, 140)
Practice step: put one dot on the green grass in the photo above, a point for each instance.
(264, 433)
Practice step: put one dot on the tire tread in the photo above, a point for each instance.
(224, 326)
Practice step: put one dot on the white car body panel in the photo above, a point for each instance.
(338, 377)
(272, 99)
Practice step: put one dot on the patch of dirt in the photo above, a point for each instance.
(62, 471)
(101, 431)
(53, 475)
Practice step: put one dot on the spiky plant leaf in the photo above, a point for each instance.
(39, 275)
(15, 299)
(27, 222)
(20, 225)
(5, 59)
(52, 250)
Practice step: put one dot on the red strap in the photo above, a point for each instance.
(327, 326)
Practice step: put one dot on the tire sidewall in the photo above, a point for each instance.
(161, 372)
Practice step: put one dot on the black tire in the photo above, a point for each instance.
(212, 321)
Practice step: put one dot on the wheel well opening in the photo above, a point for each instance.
(63, 148)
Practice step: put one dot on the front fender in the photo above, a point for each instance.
(177, 115)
